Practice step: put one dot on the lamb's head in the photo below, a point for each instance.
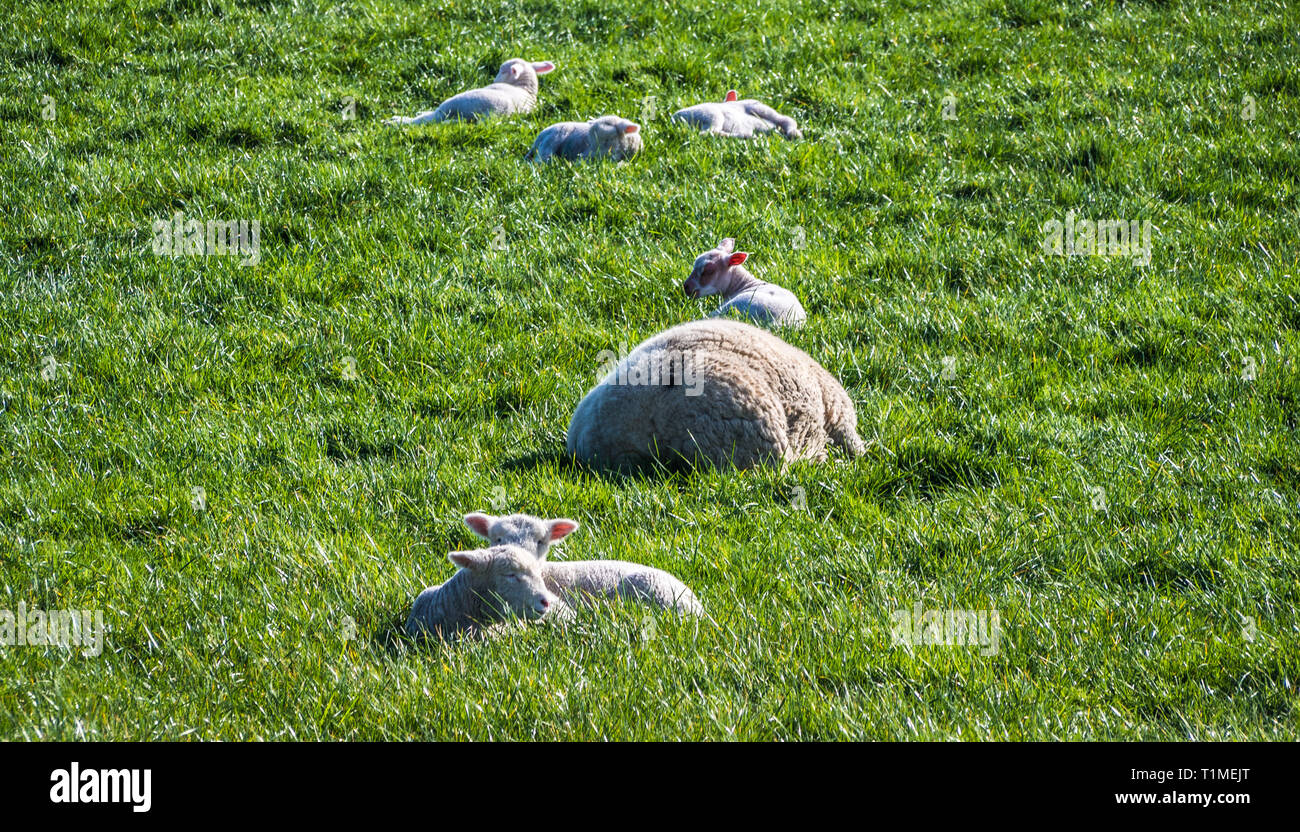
(509, 580)
(524, 530)
(615, 137)
(523, 73)
(712, 273)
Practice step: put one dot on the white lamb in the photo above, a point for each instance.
(578, 582)
(608, 137)
(522, 530)
(716, 390)
(513, 91)
(719, 272)
(738, 119)
(492, 586)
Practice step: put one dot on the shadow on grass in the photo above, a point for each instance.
(564, 463)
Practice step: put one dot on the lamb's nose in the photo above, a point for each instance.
(545, 603)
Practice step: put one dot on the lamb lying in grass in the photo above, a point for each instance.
(607, 137)
(579, 582)
(719, 391)
(513, 91)
(491, 587)
(719, 272)
(738, 119)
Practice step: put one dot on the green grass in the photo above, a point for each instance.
(330, 499)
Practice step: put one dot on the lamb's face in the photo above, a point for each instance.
(711, 273)
(523, 530)
(522, 73)
(609, 132)
(509, 579)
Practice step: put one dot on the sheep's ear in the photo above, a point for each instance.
(514, 70)
(630, 127)
(731, 96)
(739, 257)
(469, 560)
(478, 523)
(727, 244)
(562, 528)
(543, 67)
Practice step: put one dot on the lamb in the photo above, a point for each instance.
(738, 119)
(513, 91)
(578, 582)
(719, 272)
(523, 530)
(716, 390)
(608, 137)
(491, 587)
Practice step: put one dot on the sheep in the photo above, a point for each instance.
(719, 272)
(513, 91)
(577, 582)
(605, 137)
(738, 119)
(491, 587)
(716, 390)
(523, 530)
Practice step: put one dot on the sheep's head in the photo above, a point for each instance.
(509, 580)
(711, 274)
(523, 73)
(615, 137)
(523, 530)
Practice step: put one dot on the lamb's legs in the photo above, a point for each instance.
(403, 121)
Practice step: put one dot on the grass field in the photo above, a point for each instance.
(1104, 452)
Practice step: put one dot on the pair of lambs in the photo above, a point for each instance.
(512, 579)
(515, 91)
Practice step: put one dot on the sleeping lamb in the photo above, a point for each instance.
(607, 137)
(513, 91)
(578, 582)
(491, 587)
(738, 119)
(716, 390)
(719, 272)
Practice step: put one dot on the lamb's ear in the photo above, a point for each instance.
(478, 523)
(727, 244)
(543, 67)
(630, 127)
(739, 257)
(731, 96)
(562, 528)
(469, 560)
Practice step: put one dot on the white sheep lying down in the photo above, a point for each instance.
(513, 91)
(719, 391)
(607, 137)
(491, 587)
(741, 119)
(719, 272)
(577, 583)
